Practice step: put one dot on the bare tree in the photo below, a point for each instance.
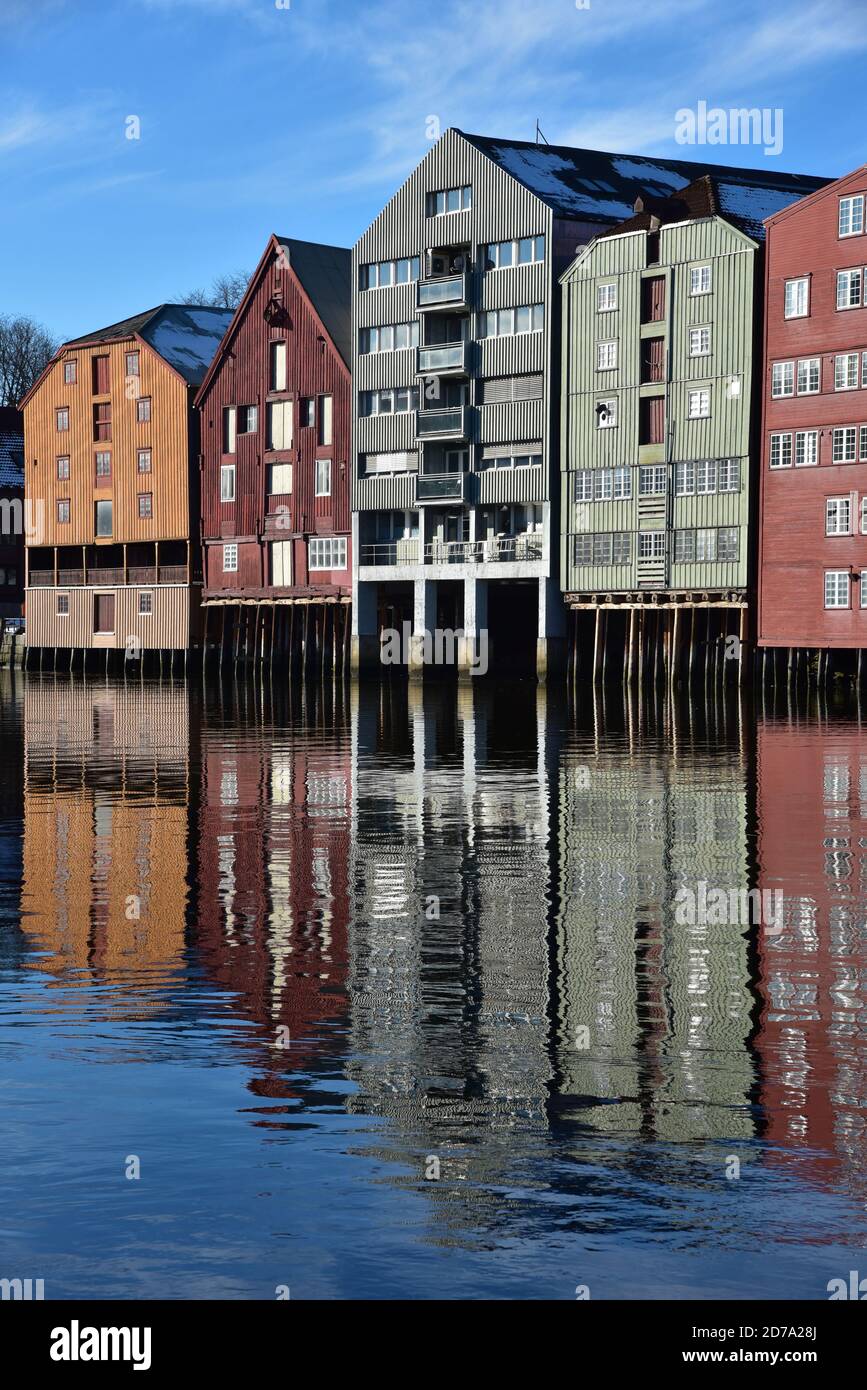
(25, 349)
(226, 292)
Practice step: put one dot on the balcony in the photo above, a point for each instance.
(398, 552)
(43, 579)
(440, 487)
(106, 576)
(142, 574)
(450, 423)
(527, 546)
(443, 359)
(444, 292)
(171, 574)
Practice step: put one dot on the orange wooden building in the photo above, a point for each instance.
(111, 476)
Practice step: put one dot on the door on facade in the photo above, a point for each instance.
(281, 564)
(103, 613)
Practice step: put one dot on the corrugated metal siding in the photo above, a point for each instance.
(393, 492)
(511, 485)
(510, 421)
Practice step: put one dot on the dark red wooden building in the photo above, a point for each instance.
(275, 423)
(813, 523)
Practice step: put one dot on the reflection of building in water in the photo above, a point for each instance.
(273, 851)
(449, 979)
(652, 1014)
(812, 1040)
(105, 830)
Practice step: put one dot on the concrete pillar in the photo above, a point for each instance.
(551, 640)
(365, 638)
(473, 650)
(424, 615)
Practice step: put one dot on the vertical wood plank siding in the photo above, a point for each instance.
(242, 377)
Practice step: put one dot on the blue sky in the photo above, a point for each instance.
(304, 120)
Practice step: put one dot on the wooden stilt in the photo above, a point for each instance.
(596, 641)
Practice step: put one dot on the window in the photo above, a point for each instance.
(104, 520)
(781, 451)
(145, 461)
(102, 422)
(727, 544)
(145, 506)
(132, 364)
(504, 323)
(389, 337)
(145, 605)
(281, 564)
(606, 297)
(381, 274)
(278, 366)
(836, 588)
(279, 479)
(278, 418)
(846, 371)
(601, 484)
(325, 420)
(851, 215)
(606, 414)
(783, 379)
(306, 412)
(684, 547)
(705, 546)
(621, 549)
(63, 509)
(323, 478)
(230, 429)
(806, 448)
(849, 288)
(729, 475)
(838, 512)
(699, 279)
(808, 376)
(62, 605)
(510, 388)
(61, 418)
(230, 559)
(143, 409)
(396, 462)
(103, 465)
(63, 467)
(70, 372)
(863, 450)
(797, 298)
(392, 402)
(449, 200)
(606, 356)
(327, 553)
(684, 479)
(603, 548)
(652, 481)
(864, 588)
(699, 342)
(705, 476)
(227, 482)
(843, 444)
(248, 419)
(651, 545)
(501, 254)
(698, 405)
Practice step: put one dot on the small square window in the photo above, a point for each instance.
(62, 605)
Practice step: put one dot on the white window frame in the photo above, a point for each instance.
(702, 335)
(851, 203)
(809, 370)
(843, 433)
(606, 297)
(782, 379)
(801, 444)
(227, 482)
(838, 590)
(610, 421)
(701, 395)
(850, 288)
(230, 558)
(655, 548)
(606, 355)
(838, 516)
(330, 549)
(846, 371)
(781, 444)
(699, 280)
(279, 364)
(230, 429)
(794, 291)
(146, 612)
(323, 477)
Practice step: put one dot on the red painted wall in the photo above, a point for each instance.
(242, 377)
(794, 550)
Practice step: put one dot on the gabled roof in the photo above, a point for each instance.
(706, 196)
(184, 335)
(325, 273)
(855, 176)
(325, 276)
(592, 186)
(11, 448)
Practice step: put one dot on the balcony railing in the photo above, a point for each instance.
(444, 292)
(142, 574)
(443, 359)
(402, 552)
(499, 548)
(43, 579)
(105, 576)
(439, 487)
(172, 574)
(450, 423)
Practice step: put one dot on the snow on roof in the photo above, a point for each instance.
(750, 206)
(187, 337)
(598, 187)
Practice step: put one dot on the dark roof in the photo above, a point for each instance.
(185, 335)
(592, 186)
(11, 448)
(704, 197)
(326, 275)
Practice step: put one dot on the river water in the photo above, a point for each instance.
(391, 993)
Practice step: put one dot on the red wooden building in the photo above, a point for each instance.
(275, 423)
(813, 522)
